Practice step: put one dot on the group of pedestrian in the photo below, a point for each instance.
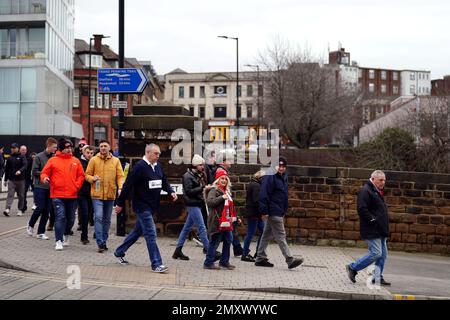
(93, 184)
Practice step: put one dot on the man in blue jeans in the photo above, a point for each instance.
(374, 228)
(194, 183)
(147, 179)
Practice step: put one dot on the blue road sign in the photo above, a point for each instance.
(121, 81)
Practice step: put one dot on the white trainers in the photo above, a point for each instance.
(34, 207)
(19, 213)
(6, 212)
(42, 236)
(59, 246)
(161, 269)
(66, 241)
(30, 231)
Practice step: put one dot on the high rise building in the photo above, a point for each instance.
(36, 69)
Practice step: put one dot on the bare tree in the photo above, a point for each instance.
(303, 97)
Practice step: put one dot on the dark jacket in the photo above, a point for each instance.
(193, 185)
(143, 181)
(28, 176)
(273, 197)
(215, 203)
(16, 162)
(373, 213)
(2, 165)
(85, 190)
(210, 170)
(38, 164)
(252, 199)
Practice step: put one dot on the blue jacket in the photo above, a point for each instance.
(146, 184)
(273, 197)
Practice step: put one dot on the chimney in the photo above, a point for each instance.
(98, 42)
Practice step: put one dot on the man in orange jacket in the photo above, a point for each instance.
(65, 174)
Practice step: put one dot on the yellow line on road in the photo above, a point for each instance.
(12, 231)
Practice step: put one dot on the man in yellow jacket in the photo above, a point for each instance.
(105, 174)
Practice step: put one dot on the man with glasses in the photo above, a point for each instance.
(65, 175)
(273, 205)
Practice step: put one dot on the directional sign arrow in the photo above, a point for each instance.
(121, 81)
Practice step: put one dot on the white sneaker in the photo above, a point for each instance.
(66, 242)
(161, 269)
(34, 207)
(30, 231)
(59, 246)
(42, 236)
(19, 213)
(6, 212)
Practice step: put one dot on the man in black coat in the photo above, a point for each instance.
(2, 163)
(15, 169)
(374, 228)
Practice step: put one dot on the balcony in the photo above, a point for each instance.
(13, 7)
(33, 50)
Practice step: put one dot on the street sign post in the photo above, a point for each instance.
(117, 81)
(119, 104)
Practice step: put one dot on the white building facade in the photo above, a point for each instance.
(36, 68)
(415, 82)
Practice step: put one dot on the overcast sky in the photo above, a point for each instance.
(400, 34)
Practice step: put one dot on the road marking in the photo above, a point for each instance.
(404, 297)
(12, 231)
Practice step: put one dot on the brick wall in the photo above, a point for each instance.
(322, 207)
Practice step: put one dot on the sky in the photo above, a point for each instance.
(397, 34)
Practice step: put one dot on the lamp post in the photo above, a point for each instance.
(237, 76)
(100, 36)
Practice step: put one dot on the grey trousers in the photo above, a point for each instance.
(274, 228)
(19, 188)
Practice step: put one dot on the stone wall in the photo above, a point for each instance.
(323, 211)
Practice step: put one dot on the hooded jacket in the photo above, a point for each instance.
(66, 176)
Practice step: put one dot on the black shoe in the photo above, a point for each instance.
(91, 223)
(295, 263)
(6, 213)
(264, 263)
(218, 256)
(178, 254)
(105, 247)
(93, 236)
(351, 274)
(100, 249)
(85, 242)
(382, 282)
(79, 228)
(71, 233)
(247, 258)
(238, 251)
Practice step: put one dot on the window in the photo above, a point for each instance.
(181, 92)
(202, 92)
(371, 87)
(191, 92)
(383, 88)
(99, 101)
(249, 91)
(201, 109)
(106, 101)
(76, 98)
(220, 91)
(92, 99)
(383, 75)
(220, 112)
(99, 134)
(192, 111)
(412, 89)
(395, 89)
(395, 76)
(420, 78)
(420, 90)
(239, 91)
(371, 74)
(412, 76)
(249, 111)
